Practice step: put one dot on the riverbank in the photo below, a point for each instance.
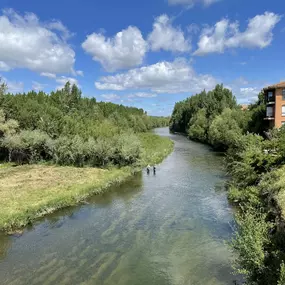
(30, 191)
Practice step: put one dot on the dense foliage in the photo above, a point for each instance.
(212, 117)
(68, 129)
(256, 166)
(257, 187)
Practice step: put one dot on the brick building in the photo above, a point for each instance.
(275, 104)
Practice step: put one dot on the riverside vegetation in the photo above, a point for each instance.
(256, 166)
(56, 149)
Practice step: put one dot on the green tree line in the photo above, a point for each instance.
(68, 129)
(256, 167)
(215, 118)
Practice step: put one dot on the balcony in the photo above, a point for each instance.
(269, 113)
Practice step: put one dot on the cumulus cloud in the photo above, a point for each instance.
(225, 34)
(38, 86)
(80, 72)
(58, 26)
(248, 94)
(110, 97)
(63, 79)
(125, 50)
(25, 42)
(162, 77)
(246, 91)
(191, 3)
(193, 29)
(142, 95)
(165, 36)
(4, 66)
(13, 86)
(49, 75)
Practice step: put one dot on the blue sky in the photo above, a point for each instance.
(149, 54)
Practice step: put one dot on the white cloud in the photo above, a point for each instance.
(191, 3)
(248, 94)
(38, 86)
(165, 36)
(80, 72)
(63, 79)
(142, 95)
(193, 29)
(13, 86)
(163, 77)
(27, 43)
(110, 97)
(4, 66)
(125, 50)
(58, 26)
(246, 91)
(224, 34)
(49, 75)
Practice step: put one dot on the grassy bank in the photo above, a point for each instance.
(31, 191)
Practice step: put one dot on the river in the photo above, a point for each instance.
(163, 229)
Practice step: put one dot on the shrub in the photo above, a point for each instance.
(250, 244)
(128, 149)
(27, 146)
(245, 196)
(224, 130)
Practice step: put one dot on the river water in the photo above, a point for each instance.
(163, 229)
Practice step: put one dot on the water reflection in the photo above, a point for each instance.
(125, 191)
(5, 244)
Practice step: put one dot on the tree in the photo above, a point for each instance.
(7, 127)
(198, 126)
(224, 130)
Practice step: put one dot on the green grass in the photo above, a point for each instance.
(30, 191)
(5, 165)
(155, 148)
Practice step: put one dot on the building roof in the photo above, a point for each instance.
(274, 86)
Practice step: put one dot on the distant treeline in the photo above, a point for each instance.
(69, 129)
(257, 185)
(215, 118)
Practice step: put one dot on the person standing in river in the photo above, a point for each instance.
(148, 169)
(154, 169)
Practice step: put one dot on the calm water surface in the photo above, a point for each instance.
(167, 229)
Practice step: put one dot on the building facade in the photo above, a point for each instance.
(275, 105)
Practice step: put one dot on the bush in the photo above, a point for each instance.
(27, 146)
(128, 149)
(245, 196)
(250, 244)
(225, 130)
(68, 151)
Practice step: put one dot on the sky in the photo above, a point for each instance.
(148, 54)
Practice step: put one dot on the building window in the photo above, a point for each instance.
(283, 123)
(269, 111)
(270, 96)
(283, 94)
(283, 110)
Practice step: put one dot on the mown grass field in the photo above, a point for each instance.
(31, 191)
